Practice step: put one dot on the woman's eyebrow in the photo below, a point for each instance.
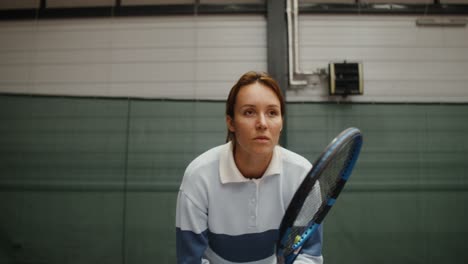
(252, 105)
(248, 105)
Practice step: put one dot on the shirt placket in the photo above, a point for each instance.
(253, 204)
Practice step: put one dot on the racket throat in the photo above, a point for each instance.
(304, 237)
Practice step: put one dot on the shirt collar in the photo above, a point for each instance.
(229, 173)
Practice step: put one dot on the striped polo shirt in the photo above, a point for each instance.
(223, 217)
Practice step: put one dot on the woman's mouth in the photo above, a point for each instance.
(262, 139)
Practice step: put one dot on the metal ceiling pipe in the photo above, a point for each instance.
(292, 14)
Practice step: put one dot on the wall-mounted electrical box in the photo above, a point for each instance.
(346, 78)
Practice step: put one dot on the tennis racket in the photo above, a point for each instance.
(317, 194)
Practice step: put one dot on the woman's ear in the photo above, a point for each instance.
(230, 124)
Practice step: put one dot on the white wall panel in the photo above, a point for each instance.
(153, 37)
(17, 38)
(402, 62)
(72, 56)
(70, 88)
(214, 71)
(12, 73)
(201, 57)
(15, 57)
(169, 57)
(238, 54)
(385, 53)
(72, 73)
(153, 55)
(152, 72)
(175, 89)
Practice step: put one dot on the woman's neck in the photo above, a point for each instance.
(252, 166)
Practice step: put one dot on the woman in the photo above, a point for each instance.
(233, 197)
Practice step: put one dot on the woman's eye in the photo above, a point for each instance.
(273, 113)
(248, 112)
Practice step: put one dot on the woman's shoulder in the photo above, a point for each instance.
(208, 158)
(200, 176)
(295, 169)
(294, 159)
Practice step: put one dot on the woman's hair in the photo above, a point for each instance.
(247, 79)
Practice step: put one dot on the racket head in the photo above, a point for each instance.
(323, 183)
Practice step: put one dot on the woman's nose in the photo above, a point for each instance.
(261, 122)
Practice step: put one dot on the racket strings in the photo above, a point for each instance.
(301, 223)
(318, 196)
(335, 169)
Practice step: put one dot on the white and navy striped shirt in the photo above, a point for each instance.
(223, 217)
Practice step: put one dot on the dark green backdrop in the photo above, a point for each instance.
(86, 180)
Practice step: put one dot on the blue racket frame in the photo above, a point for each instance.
(323, 161)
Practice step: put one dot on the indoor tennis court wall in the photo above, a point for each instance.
(100, 176)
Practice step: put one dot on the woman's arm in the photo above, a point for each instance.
(191, 231)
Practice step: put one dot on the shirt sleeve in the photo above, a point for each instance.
(306, 259)
(191, 231)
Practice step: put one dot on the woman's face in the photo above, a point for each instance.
(257, 120)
